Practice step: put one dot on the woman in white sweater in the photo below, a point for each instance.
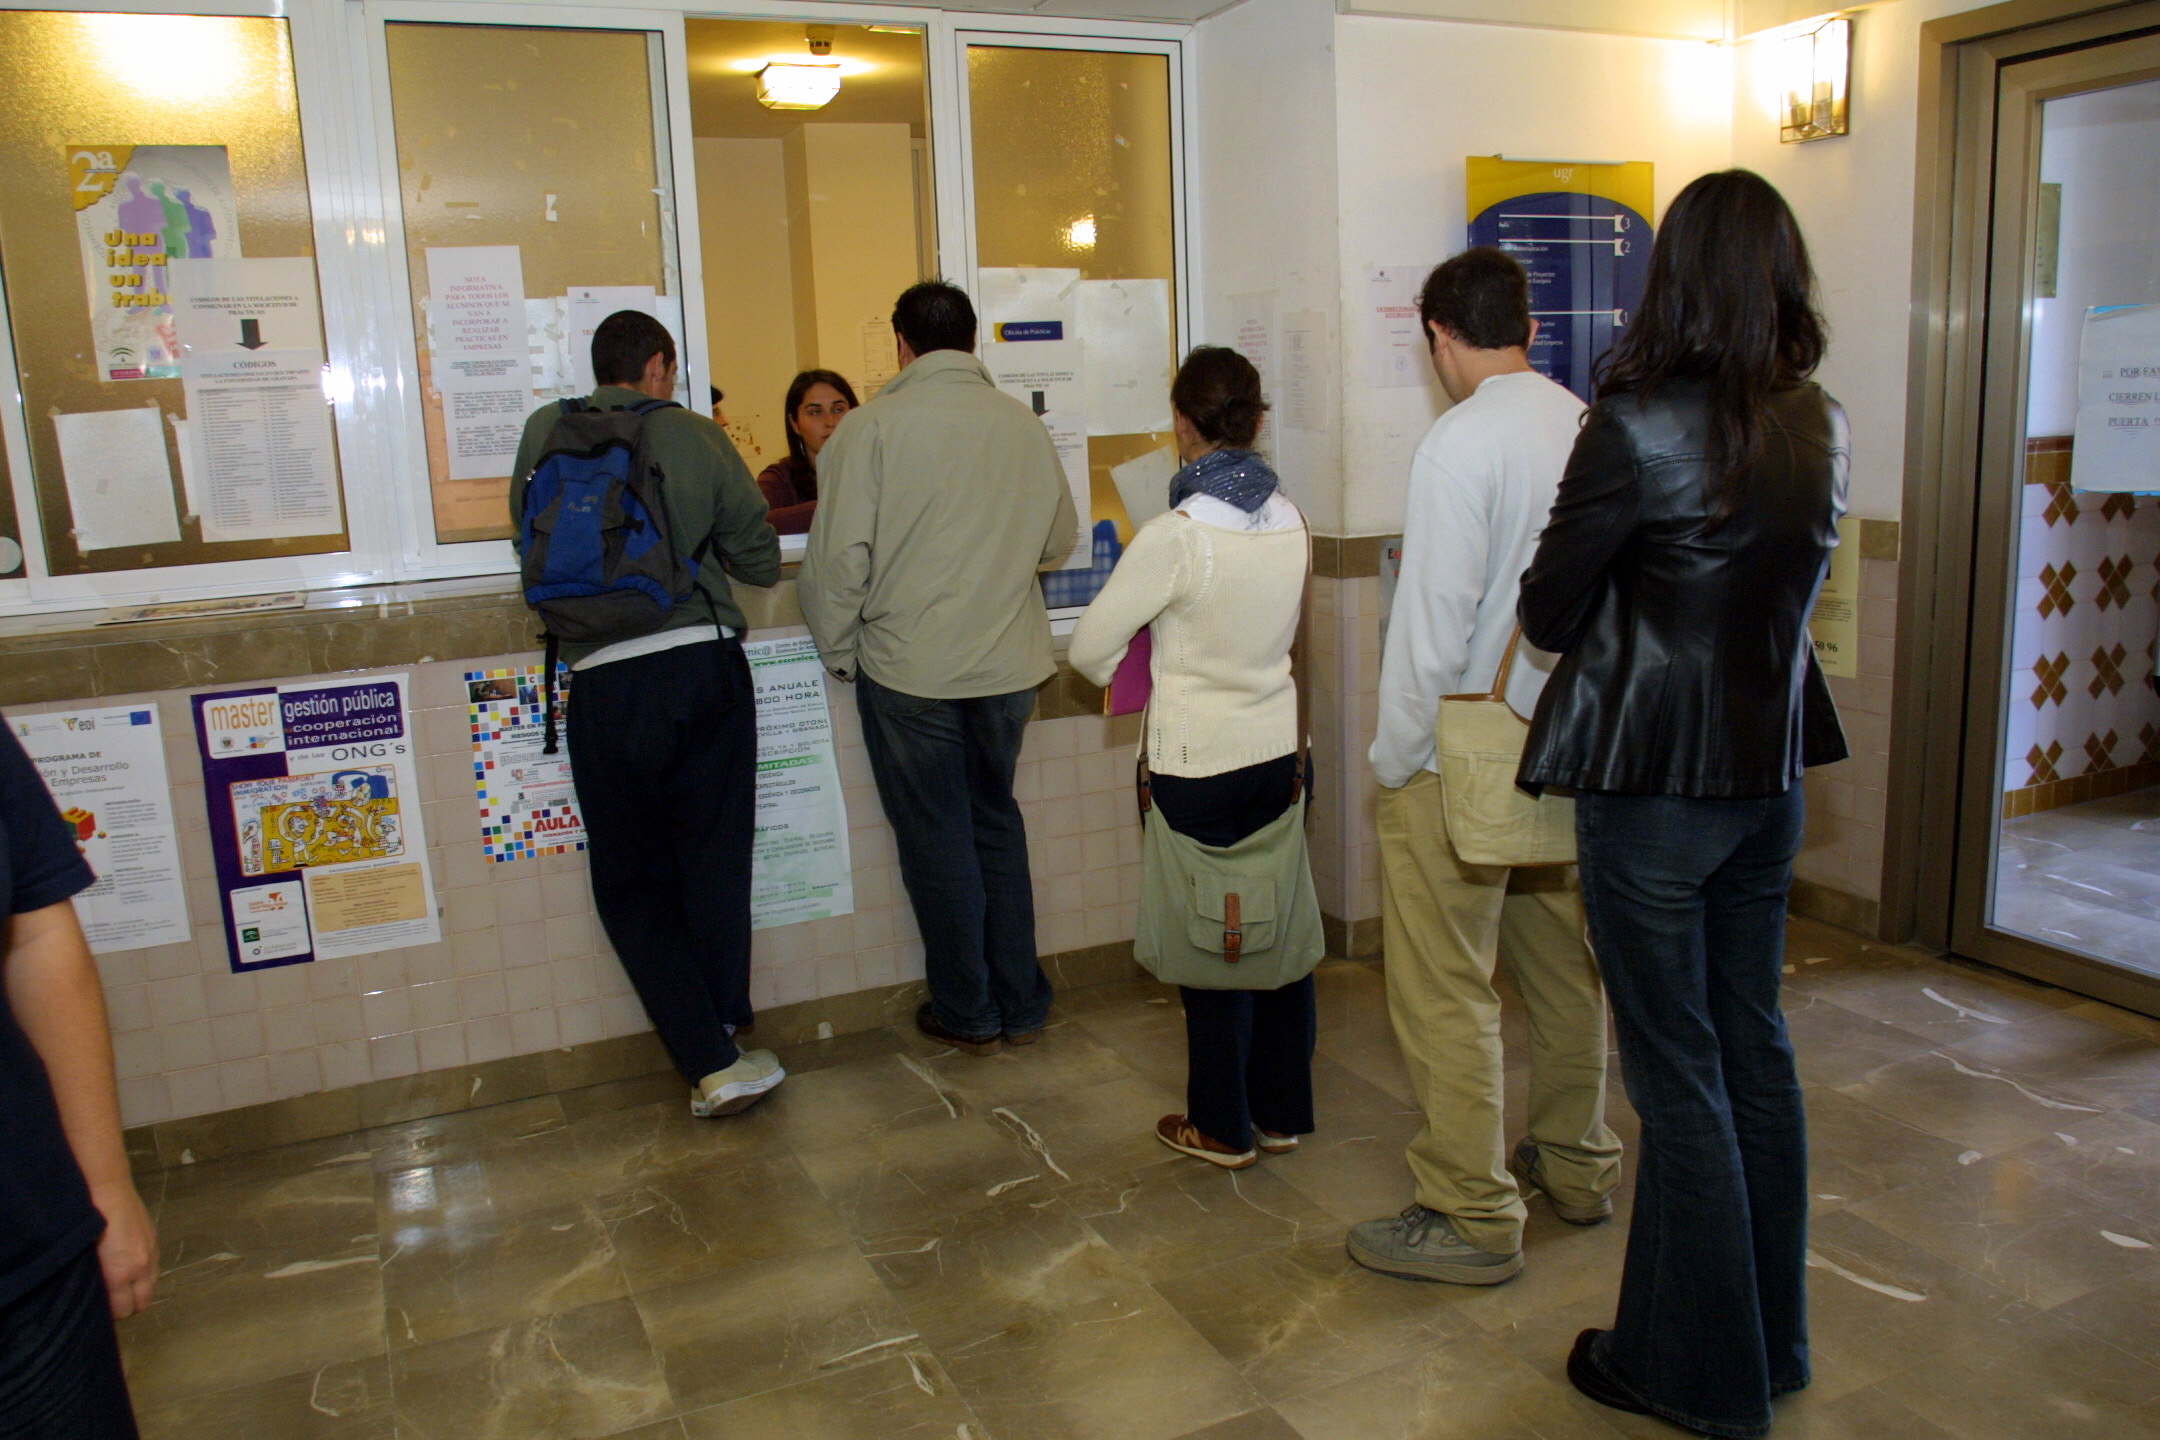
(1220, 578)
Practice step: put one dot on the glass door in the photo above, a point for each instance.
(2058, 871)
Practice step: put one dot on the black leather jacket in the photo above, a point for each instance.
(1686, 667)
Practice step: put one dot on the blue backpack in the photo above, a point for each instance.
(598, 560)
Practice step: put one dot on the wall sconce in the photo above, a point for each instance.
(1814, 66)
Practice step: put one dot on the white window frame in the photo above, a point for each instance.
(341, 71)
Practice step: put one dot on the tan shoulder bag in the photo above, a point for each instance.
(1490, 821)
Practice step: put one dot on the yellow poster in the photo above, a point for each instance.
(356, 899)
(1836, 626)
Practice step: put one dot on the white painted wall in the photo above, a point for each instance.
(1265, 186)
(2104, 150)
(749, 285)
(1417, 97)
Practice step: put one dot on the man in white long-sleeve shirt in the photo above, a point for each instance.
(1481, 485)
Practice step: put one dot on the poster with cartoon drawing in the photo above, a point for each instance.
(138, 208)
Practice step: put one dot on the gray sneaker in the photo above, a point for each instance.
(737, 1088)
(1422, 1244)
(1524, 1166)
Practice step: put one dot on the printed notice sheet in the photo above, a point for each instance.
(1835, 625)
(1125, 329)
(106, 771)
(2118, 416)
(527, 804)
(1033, 351)
(264, 464)
(480, 359)
(314, 806)
(119, 483)
(800, 868)
(1395, 349)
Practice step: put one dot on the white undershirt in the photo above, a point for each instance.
(1275, 513)
(654, 643)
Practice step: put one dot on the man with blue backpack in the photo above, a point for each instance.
(631, 514)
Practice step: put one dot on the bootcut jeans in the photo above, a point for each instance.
(1686, 903)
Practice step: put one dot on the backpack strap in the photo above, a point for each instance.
(571, 405)
(548, 745)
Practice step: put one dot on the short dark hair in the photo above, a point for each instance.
(1219, 391)
(1481, 297)
(624, 342)
(935, 316)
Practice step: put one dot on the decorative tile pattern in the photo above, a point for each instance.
(2114, 582)
(2049, 673)
(2107, 672)
(2099, 749)
(2057, 600)
(2062, 507)
(2043, 762)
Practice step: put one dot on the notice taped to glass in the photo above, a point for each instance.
(314, 804)
(800, 868)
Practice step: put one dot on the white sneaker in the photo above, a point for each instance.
(741, 1085)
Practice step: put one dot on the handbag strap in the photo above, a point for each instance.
(1507, 666)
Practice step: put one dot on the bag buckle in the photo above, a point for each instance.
(1233, 932)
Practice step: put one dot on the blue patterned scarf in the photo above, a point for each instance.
(1238, 477)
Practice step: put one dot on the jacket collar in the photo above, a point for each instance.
(939, 367)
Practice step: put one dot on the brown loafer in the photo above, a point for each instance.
(1181, 1135)
(927, 1022)
(1023, 1037)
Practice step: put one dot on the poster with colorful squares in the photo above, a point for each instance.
(527, 803)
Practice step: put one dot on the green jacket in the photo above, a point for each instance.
(938, 504)
(708, 491)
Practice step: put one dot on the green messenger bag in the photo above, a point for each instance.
(1237, 917)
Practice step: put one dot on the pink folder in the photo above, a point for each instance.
(1127, 693)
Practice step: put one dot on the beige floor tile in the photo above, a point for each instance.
(1098, 1132)
(2034, 1374)
(1068, 1057)
(451, 1137)
(776, 1323)
(1180, 1215)
(577, 1374)
(682, 1224)
(1971, 1106)
(904, 1396)
(1472, 1389)
(1120, 1366)
(886, 1181)
(1856, 1152)
(627, 1147)
(297, 1196)
(445, 1280)
(1834, 1046)
(862, 1101)
(1252, 1425)
(344, 1400)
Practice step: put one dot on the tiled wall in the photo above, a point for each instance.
(1345, 639)
(2084, 720)
(522, 966)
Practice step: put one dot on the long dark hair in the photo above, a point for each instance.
(799, 387)
(1731, 304)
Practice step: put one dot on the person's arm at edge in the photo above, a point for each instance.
(1143, 583)
(1592, 517)
(835, 576)
(1445, 537)
(53, 988)
(748, 546)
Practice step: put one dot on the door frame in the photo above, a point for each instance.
(1932, 794)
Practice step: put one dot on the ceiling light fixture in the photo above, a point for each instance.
(802, 84)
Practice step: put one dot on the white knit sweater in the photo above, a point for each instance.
(1223, 605)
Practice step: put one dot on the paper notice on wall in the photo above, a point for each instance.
(264, 465)
(1395, 351)
(1143, 483)
(799, 867)
(1255, 333)
(548, 346)
(106, 772)
(528, 805)
(119, 483)
(1125, 329)
(480, 361)
(1304, 403)
(1835, 625)
(137, 209)
(315, 820)
(1032, 349)
(880, 355)
(585, 307)
(2117, 444)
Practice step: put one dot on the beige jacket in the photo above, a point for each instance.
(939, 501)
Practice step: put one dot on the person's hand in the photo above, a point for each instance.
(128, 1251)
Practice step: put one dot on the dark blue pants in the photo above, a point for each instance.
(1686, 904)
(944, 771)
(60, 1362)
(663, 748)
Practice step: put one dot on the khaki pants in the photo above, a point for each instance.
(1446, 923)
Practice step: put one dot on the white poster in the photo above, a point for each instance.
(313, 796)
(583, 310)
(138, 208)
(480, 360)
(119, 482)
(1125, 330)
(106, 772)
(2117, 446)
(528, 805)
(1143, 483)
(1395, 351)
(1032, 349)
(800, 869)
(264, 465)
(1304, 370)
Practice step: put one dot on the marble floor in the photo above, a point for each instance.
(2086, 877)
(905, 1243)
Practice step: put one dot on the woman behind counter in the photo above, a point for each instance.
(1221, 578)
(817, 402)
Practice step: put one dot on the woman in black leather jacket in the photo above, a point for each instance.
(1675, 578)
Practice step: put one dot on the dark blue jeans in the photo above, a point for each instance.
(1686, 903)
(944, 770)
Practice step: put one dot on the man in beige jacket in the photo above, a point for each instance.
(940, 501)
